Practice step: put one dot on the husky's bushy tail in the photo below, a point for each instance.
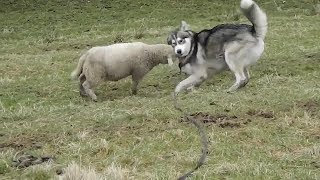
(256, 16)
(76, 73)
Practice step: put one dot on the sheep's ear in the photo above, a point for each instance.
(184, 26)
(170, 38)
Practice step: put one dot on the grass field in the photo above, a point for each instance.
(268, 130)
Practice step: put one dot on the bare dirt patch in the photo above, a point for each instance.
(312, 106)
(314, 133)
(221, 120)
(21, 145)
(260, 113)
(26, 141)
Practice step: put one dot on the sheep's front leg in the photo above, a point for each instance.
(137, 76)
(134, 87)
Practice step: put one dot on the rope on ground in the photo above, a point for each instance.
(204, 140)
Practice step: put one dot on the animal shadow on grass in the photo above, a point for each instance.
(110, 91)
(119, 92)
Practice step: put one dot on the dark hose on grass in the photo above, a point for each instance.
(204, 140)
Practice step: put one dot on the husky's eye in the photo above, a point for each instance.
(181, 41)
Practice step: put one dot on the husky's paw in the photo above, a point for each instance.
(233, 89)
(237, 86)
(191, 88)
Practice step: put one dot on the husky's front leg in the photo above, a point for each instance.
(191, 81)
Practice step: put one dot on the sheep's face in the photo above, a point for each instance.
(169, 60)
(181, 40)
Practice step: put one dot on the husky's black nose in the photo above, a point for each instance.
(179, 51)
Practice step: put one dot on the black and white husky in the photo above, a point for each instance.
(233, 46)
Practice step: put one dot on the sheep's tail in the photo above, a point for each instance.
(256, 16)
(76, 73)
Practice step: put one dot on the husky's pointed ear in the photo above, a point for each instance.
(184, 26)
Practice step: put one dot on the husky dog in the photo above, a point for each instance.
(226, 46)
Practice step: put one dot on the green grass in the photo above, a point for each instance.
(42, 113)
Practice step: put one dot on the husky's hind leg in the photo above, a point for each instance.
(247, 74)
(241, 73)
(241, 81)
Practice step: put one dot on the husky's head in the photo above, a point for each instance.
(181, 40)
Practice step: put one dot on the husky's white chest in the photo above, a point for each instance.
(188, 69)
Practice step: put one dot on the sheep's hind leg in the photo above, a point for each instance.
(88, 89)
(82, 78)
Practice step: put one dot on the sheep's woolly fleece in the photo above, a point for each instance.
(76, 172)
(118, 61)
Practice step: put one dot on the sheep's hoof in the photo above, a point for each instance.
(94, 98)
(83, 94)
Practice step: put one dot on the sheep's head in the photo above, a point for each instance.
(170, 55)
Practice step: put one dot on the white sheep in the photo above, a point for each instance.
(118, 61)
